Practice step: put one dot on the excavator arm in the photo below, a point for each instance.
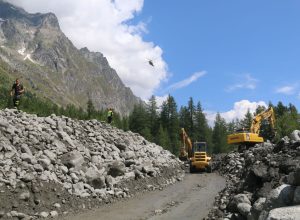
(186, 146)
(256, 122)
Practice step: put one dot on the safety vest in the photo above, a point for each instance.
(109, 113)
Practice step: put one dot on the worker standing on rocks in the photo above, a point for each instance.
(16, 91)
(109, 115)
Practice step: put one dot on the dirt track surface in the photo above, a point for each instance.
(190, 199)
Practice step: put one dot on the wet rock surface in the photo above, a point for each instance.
(262, 182)
(56, 165)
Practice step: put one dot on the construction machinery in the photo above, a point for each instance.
(251, 137)
(186, 147)
(195, 154)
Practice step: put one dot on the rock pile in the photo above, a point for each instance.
(51, 165)
(263, 182)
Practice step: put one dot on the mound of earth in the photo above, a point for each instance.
(263, 182)
(50, 166)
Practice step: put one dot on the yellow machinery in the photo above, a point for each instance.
(252, 137)
(186, 147)
(196, 154)
(200, 160)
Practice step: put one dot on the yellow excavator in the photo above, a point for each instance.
(251, 137)
(195, 154)
(186, 146)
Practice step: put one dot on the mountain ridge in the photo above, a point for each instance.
(34, 45)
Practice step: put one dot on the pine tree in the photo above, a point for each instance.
(201, 126)
(247, 121)
(219, 135)
(162, 137)
(191, 114)
(288, 122)
(231, 127)
(146, 133)
(125, 124)
(280, 109)
(170, 122)
(138, 120)
(260, 109)
(202, 131)
(90, 109)
(153, 116)
(184, 118)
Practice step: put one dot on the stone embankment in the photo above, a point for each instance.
(50, 166)
(263, 182)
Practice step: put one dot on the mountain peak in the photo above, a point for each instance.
(35, 46)
(50, 20)
(12, 12)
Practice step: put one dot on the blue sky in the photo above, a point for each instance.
(249, 49)
(231, 55)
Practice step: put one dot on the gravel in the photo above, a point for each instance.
(56, 165)
(261, 182)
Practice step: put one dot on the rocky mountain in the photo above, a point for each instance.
(34, 45)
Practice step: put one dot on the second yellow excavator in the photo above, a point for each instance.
(252, 137)
(195, 154)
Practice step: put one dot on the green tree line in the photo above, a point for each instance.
(162, 126)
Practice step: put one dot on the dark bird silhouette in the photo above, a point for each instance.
(151, 63)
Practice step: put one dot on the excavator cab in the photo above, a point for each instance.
(199, 147)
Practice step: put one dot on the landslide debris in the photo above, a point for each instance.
(54, 165)
(263, 182)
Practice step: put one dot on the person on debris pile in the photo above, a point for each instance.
(109, 115)
(16, 91)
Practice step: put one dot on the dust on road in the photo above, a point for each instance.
(190, 199)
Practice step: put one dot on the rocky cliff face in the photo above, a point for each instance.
(34, 45)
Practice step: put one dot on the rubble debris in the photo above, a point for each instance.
(263, 182)
(57, 165)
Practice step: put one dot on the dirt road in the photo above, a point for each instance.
(190, 199)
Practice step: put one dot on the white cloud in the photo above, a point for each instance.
(245, 81)
(186, 82)
(286, 90)
(161, 99)
(238, 112)
(103, 25)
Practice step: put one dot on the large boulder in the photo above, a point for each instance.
(128, 155)
(295, 135)
(279, 197)
(258, 207)
(73, 159)
(95, 178)
(297, 196)
(244, 209)
(294, 177)
(285, 213)
(117, 169)
(236, 200)
(261, 171)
